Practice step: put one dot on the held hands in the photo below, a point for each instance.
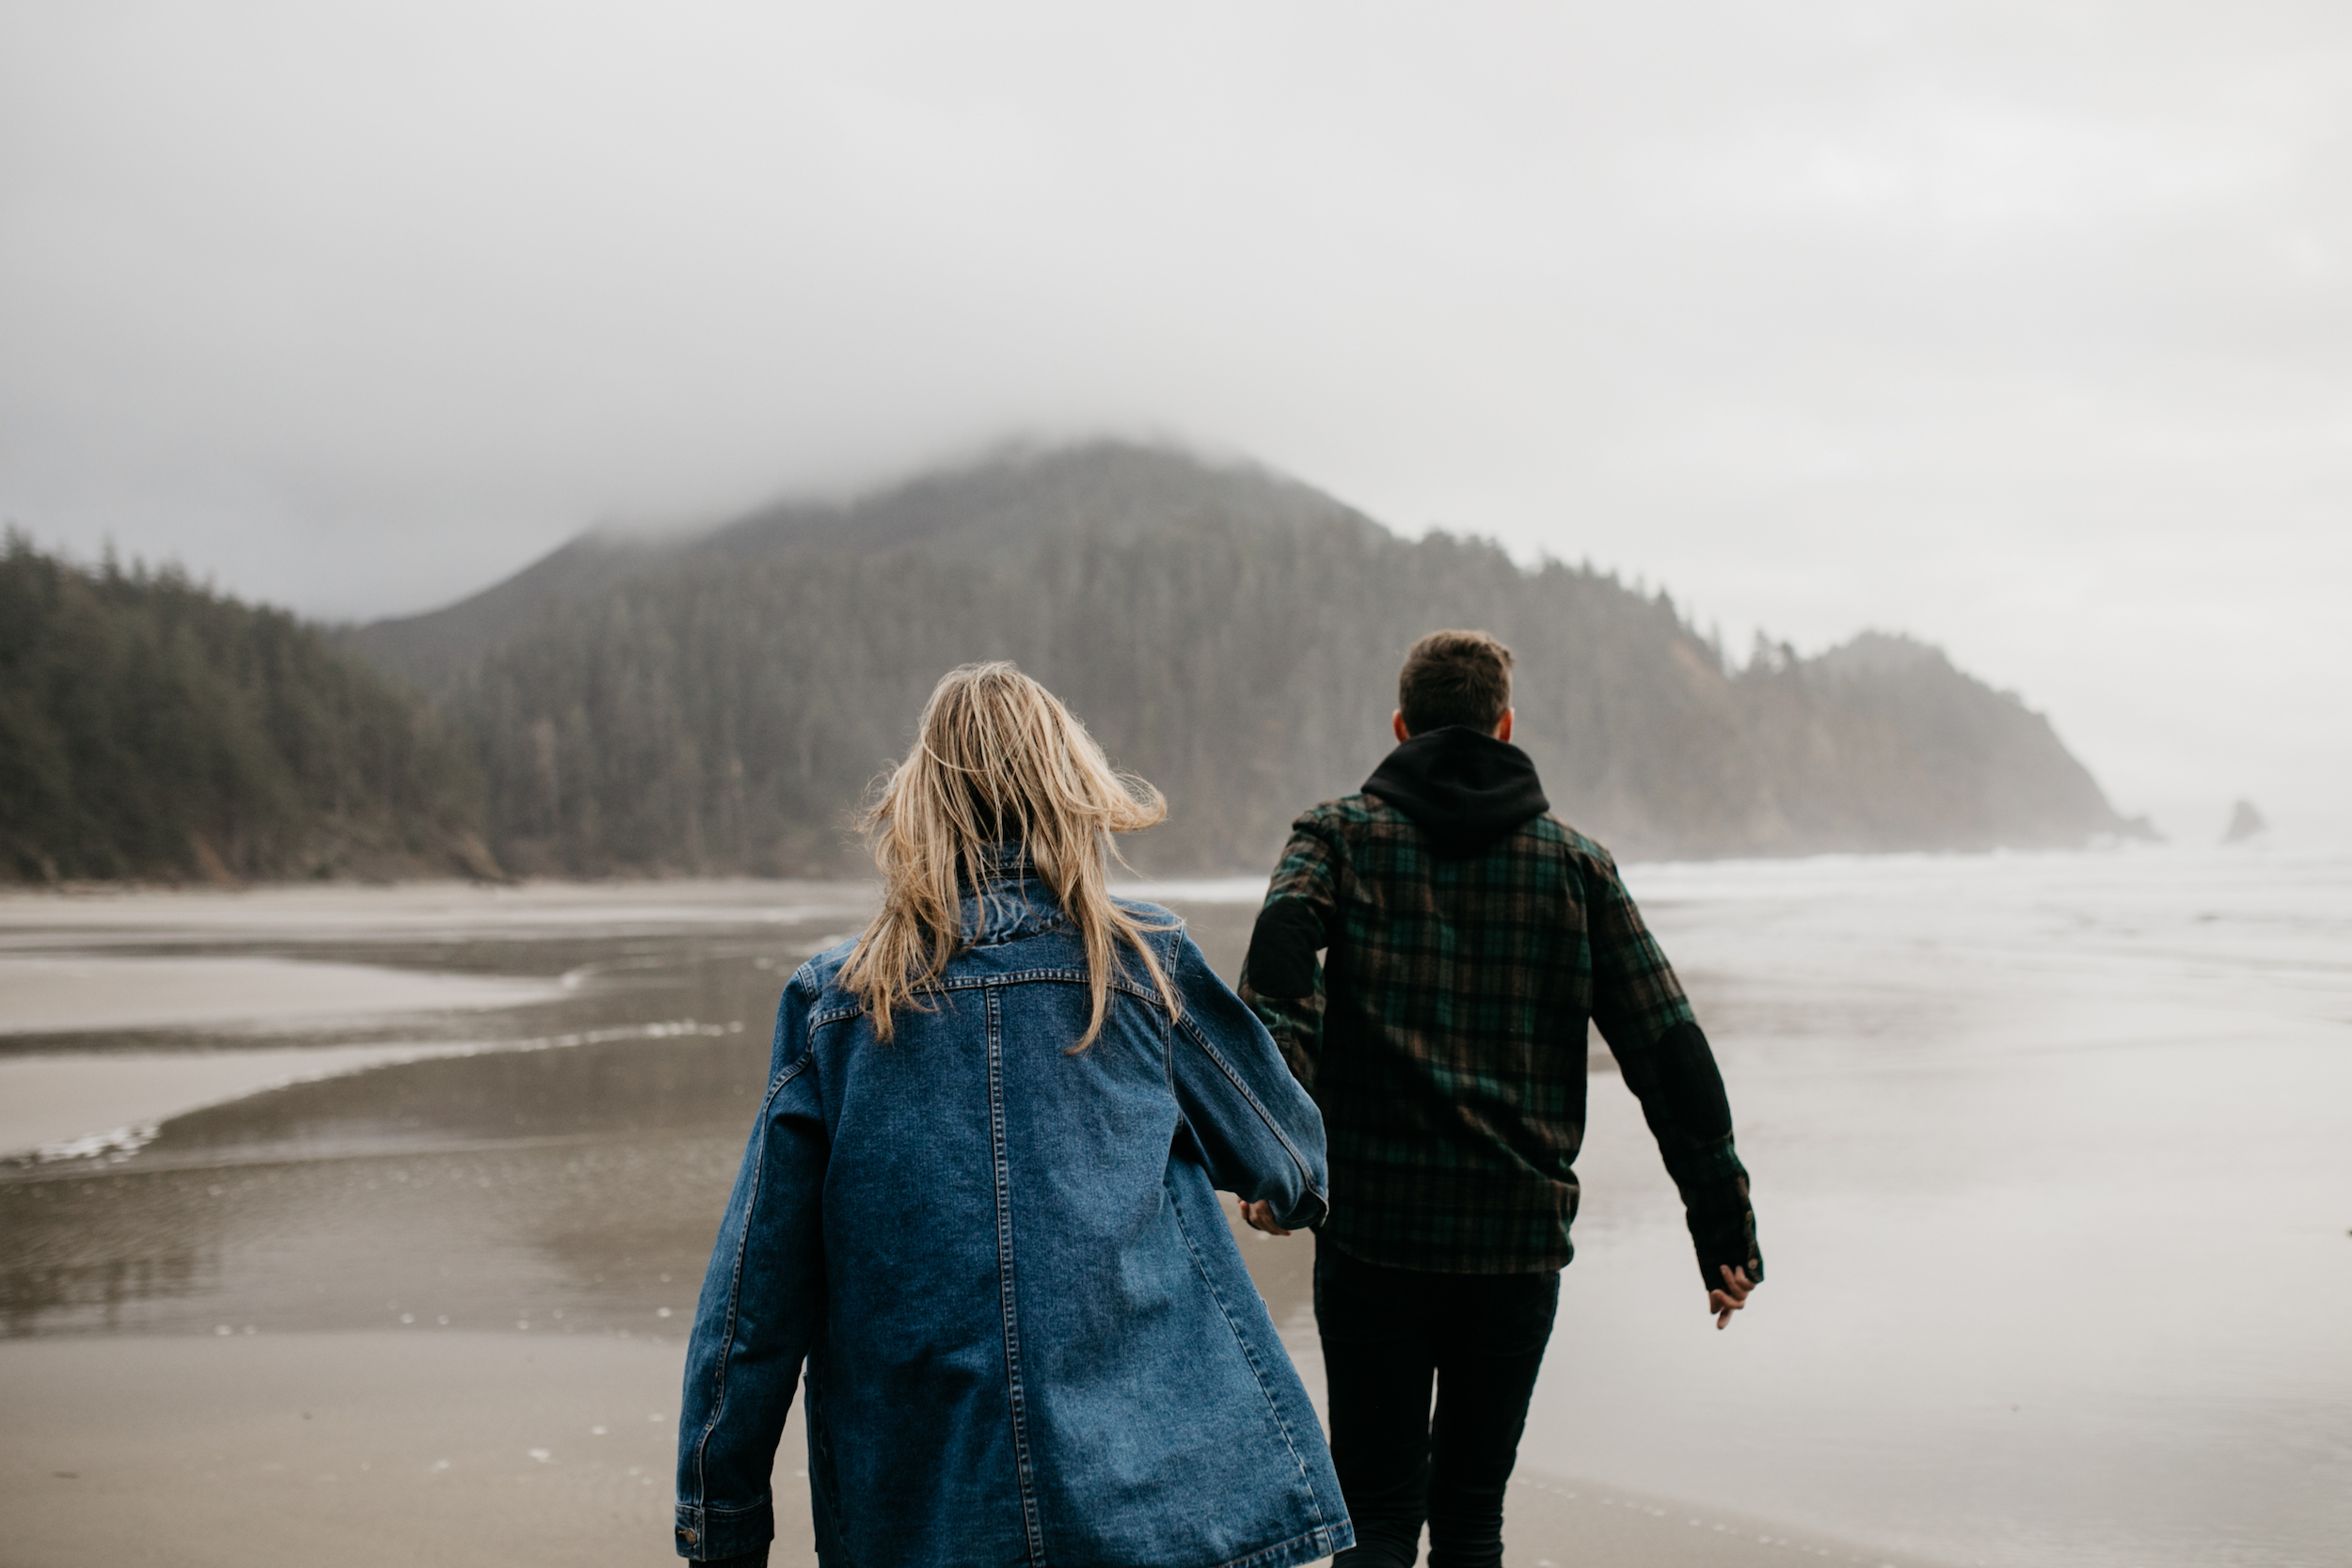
(1260, 1217)
(1722, 1302)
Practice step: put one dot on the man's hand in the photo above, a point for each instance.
(1260, 1217)
(1722, 1302)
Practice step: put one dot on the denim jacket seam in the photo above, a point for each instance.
(1008, 1285)
(764, 1505)
(1256, 1373)
(1025, 977)
(1323, 1538)
(1208, 1049)
(1167, 1057)
(735, 1291)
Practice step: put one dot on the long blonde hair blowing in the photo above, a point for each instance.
(998, 759)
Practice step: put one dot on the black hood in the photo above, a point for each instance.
(1462, 788)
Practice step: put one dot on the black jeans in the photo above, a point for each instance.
(755, 1558)
(1387, 1335)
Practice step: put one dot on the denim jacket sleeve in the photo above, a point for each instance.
(760, 1304)
(1260, 1133)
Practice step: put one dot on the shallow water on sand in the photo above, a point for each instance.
(558, 1163)
(2047, 1151)
(2052, 1170)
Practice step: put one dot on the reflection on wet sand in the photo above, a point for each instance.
(560, 989)
(568, 1176)
(567, 1172)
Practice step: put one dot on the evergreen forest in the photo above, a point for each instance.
(152, 728)
(720, 702)
(725, 717)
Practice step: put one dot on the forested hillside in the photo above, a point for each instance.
(983, 513)
(720, 707)
(718, 702)
(149, 727)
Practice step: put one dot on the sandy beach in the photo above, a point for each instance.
(342, 912)
(361, 1449)
(120, 1010)
(66, 1105)
(304, 1279)
(463, 1229)
(54, 995)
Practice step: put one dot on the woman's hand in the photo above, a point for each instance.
(1260, 1217)
(1722, 1302)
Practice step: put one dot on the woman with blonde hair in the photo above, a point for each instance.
(979, 1203)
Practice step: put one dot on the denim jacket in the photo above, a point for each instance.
(1029, 1335)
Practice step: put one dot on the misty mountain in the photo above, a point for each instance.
(721, 701)
(152, 728)
(972, 513)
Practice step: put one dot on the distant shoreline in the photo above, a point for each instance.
(1196, 884)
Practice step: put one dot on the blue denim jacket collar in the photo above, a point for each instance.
(1010, 857)
(1008, 903)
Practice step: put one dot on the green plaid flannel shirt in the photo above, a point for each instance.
(1444, 1039)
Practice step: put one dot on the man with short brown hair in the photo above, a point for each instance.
(1466, 937)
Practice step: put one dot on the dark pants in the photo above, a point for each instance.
(1387, 1335)
(755, 1558)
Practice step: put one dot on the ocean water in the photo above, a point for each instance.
(2052, 1162)
(2051, 1157)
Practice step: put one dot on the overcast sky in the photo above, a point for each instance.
(2020, 327)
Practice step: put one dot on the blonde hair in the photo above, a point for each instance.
(996, 759)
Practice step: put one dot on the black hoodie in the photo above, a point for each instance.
(1462, 788)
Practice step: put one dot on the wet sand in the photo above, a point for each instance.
(341, 911)
(378, 1315)
(401, 1447)
(56, 996)
(1981, 1073)
(60, 1107)
(122, 1010)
